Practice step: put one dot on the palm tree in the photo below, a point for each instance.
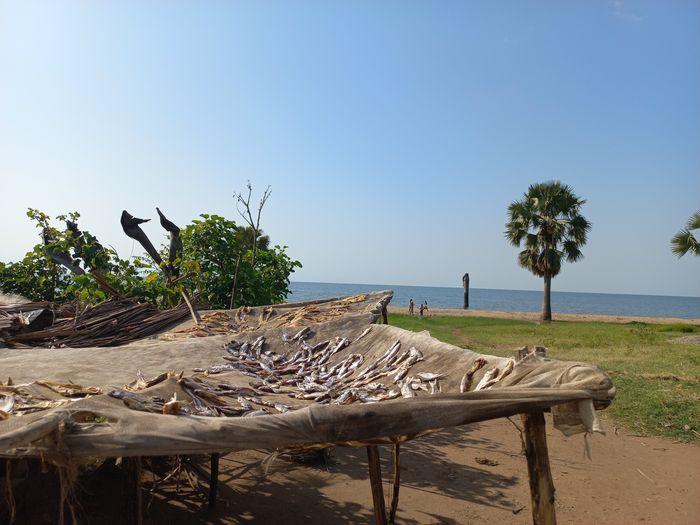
(684, 241)
(547, 222)
(245, 234)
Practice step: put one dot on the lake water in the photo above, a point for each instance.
(513, 300)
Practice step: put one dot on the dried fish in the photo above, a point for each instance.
(256, 413)
(506, 370)
(406, 389)
(303, 333)
(429, 376)
(70, 389)
(469, 376)
(488, 379)
(364, 333)
(173, 406)
(6, 403)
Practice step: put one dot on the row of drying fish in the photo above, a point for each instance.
(304, 371)
(25, 398)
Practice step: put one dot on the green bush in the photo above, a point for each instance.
(212, 247)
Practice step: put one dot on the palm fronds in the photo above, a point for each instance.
(684, 241)
(548, 224)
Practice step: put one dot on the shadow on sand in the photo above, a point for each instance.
(283, 492)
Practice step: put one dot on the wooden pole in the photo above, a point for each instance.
(375, 480)
(397, 484)
(385, 317)
(541, 484)
(213, 479)
(235, 281)
(132, 491)
(465, 284)
(193, 312)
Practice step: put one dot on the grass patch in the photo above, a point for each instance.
(658, 382)
(682, 328)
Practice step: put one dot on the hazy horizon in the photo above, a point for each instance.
(471, 287)
(394, 134)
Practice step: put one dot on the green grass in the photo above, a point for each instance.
(658, 382)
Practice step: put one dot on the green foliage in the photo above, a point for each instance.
(212, 246)
(684, 241)
(678, 327)
(35, 277)
(548, 224)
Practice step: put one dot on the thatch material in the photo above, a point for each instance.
(109, 323)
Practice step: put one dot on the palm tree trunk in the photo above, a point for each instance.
(547, 303)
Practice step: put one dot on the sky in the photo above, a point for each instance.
(393, 134)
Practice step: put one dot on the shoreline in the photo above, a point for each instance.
(535, 316)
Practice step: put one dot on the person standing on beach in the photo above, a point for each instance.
(421, 309)
(425, 306)
(410, 307)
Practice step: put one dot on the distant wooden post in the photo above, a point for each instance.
(465, 283)
(541, 483)
(375, 480)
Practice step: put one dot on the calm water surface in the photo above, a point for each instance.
(513, 300)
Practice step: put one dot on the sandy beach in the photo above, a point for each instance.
(535, 316)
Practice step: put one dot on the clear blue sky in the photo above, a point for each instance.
(394, 134)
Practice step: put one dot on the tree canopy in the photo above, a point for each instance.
(547, 224)
(684, 241)
(212, 247)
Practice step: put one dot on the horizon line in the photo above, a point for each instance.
(501, 289)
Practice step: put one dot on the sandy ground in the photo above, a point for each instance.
(534, 316)
(630, 479)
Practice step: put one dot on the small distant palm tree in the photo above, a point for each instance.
(548, 224)
(245, 234)
(684, 241)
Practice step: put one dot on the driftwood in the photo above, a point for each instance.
(73, 266)
(175, 251)
(130, 225)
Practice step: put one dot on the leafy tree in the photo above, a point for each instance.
(35, 277)
(548, 225)
(212, 245)
(684, 241)
(245, 235)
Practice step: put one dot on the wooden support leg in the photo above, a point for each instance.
(397, 484)
(213, 479)
(375, 480)
(385, 317)
(132, 490)
(541, 484)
